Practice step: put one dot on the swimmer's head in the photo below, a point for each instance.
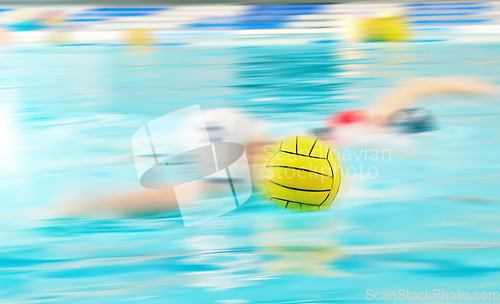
(229, 125)
(413, 120)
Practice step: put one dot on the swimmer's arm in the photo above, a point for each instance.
(145, 201)
(150, 201)
(409, 92)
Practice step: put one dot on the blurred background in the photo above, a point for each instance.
(79, 78)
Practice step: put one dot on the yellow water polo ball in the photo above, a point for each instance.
(302, 173)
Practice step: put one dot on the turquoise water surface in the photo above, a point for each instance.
(430, 219)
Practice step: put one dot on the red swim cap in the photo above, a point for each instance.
(346, 117)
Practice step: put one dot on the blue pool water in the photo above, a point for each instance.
(429, 220)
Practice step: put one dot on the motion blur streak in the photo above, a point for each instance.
(406, 93)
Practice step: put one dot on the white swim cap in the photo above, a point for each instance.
(230, 125)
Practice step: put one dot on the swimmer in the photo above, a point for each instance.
(398, 109)
(230, 125)
(408, 93)
(223, 124)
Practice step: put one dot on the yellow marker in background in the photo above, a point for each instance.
(139, 37)
(388, 26)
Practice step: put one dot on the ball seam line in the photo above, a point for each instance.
(299, 189)
(300, 169)
(267, 189)
(331, 168)
(295, 202)
(301, 154)
(312, 148)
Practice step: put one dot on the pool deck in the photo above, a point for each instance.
(219, 24)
